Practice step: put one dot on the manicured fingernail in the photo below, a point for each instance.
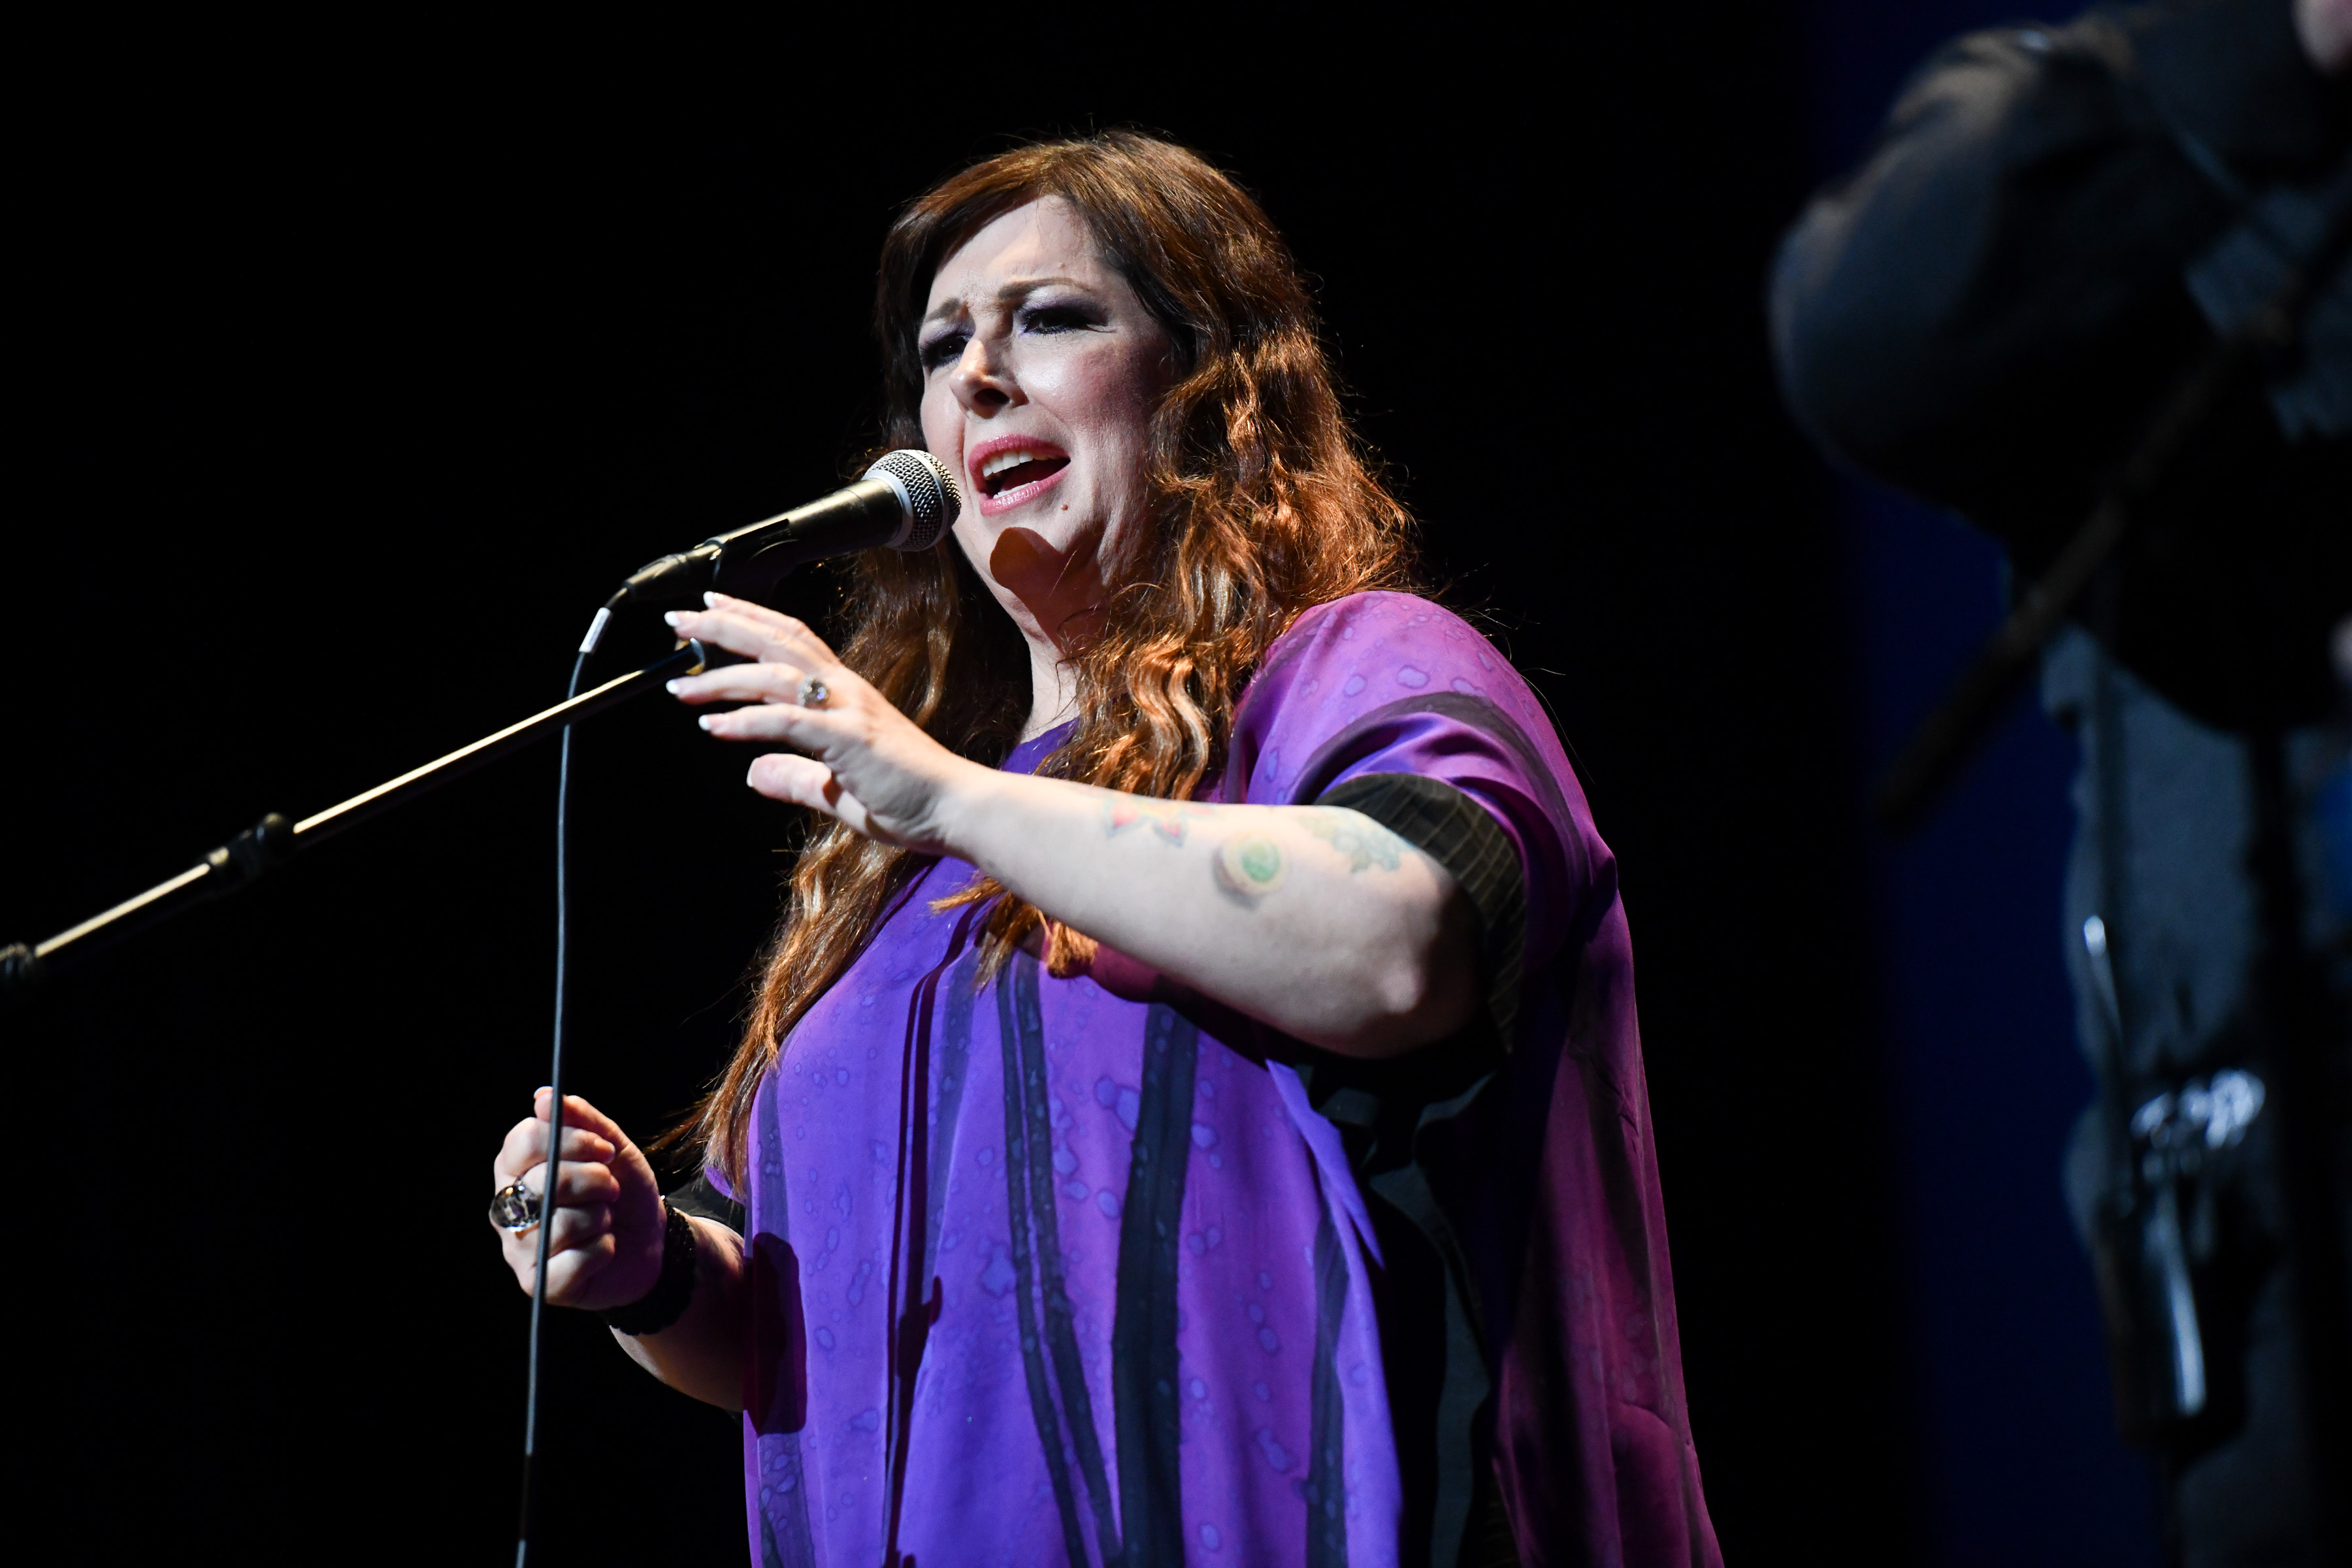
(672, 685)
(710, 599)
(672, 618)
(707, 719)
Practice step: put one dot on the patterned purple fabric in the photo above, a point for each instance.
(1067, 1271)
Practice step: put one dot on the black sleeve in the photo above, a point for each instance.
(1457, 833)
(1984, 311)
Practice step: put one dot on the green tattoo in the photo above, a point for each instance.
(1249, 865)
(1259, 860)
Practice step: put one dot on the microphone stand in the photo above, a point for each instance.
(763, 554)
(274, 840)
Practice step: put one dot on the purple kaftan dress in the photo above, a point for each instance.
(1076, 1271)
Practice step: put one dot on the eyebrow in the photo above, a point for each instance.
(1011, 293)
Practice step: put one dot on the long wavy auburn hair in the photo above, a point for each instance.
(1263, 504)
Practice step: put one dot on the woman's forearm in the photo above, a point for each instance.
(702, 1353)
(1315, 919)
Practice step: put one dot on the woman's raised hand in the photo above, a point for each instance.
(606, 1249)
(865, 763)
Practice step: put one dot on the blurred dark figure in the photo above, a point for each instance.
(2055, 225)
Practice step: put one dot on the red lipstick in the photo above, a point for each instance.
(1009, 471)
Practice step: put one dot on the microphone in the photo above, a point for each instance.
(906, 500)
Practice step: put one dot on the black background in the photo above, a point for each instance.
(347, 390)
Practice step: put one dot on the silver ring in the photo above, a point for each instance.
(813, 692)
(515, 1207)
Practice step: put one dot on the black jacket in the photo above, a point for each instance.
(2052, 225)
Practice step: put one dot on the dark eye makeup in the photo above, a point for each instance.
(1058, 316)
(1043, 318)
(945, 349)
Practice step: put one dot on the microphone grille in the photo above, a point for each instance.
(932, 499)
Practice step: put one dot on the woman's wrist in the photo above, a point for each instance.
(960, 811)
(673, 1287)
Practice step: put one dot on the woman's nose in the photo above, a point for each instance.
(982, 383)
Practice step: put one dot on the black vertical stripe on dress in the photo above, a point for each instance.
(1327, 1473)
(1016, 1214)
(1019, 1010)
(1463, 1472)
(786, 1537)
(1143, 1338)
(1061, 1327)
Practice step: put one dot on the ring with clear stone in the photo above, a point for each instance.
(515, 1207)
(813, 692)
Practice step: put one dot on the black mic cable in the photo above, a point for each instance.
(905, 501)
(525, 1530)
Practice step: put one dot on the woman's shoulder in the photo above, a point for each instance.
(1384, 643)
(1382, 608)
(1380, 657)
(1338, 626)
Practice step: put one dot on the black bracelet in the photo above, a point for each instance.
(663, 1305)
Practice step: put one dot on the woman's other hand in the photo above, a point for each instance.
(606, 1249)
(865, 763)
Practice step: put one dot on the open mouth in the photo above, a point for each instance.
(1003, 472)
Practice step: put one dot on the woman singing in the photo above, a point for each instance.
(1193, 1112)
